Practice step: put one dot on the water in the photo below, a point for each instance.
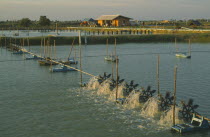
(35, 102)
(35, 33)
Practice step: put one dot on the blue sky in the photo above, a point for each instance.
(79, 9)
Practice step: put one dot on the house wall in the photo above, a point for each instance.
(120, 21)
(100, 22)
(123, 21)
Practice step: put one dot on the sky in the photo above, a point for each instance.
(80, 9)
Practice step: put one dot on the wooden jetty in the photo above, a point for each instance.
(53, 61)
(129, 30)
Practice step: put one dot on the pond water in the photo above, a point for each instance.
(37, 103)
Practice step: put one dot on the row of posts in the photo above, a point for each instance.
(105, 32)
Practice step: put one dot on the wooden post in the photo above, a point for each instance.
(28, 44)
(80, 41)
(75, 50)
(80, 54)
(56, 28)
(107, 46)
(115, 48)
(23, 42)
(85, 38)
(44, 48)
(174, 105)
(41, 48)
(28, 32)
(15, 41)
(5, 42)
(158, 80)
(177, 50)
(1, 42)
(50, 48)
(189, 47)
(112, 70)
(54, 50)
(72, 48)
(50, 51)
(117, 77)
(10, 40)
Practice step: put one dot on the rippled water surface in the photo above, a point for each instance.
(37, 103)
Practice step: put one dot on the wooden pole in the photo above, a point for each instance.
(50, 48)
(72, 46)
(5, 42)
(44, 48)
(1, 42)
(158, 80)
(174, 104)
(85, 38)
(80, 41)
(80, 54)
(189, 47)
(23, 42)
(75, 52)
(10, 40)
(107, 47)
(112, 70)
(117, 77)
(57, 28)
(41, 47)
(28, 44)
(54, 50)
(176, 46)
(15, 41)
(115, 48)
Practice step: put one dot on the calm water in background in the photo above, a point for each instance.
(35, 33)
(37, 103)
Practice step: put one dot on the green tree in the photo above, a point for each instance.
(25, 22)
(44, 21)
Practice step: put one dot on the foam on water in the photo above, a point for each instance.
(150, 108)
(166, 118)
(93, 84)
(132, 101)
(121, 89)
(104, 88)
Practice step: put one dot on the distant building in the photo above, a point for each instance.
(165, 21)
(88, 22)
(113, 20)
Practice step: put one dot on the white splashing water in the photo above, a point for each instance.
(132, 101)
(120, 91)
(104, 88)
(166, 118)
(93, 84)
(150, 108)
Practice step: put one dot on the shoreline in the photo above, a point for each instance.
(95, 39)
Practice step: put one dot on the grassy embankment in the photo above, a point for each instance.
(196, 38)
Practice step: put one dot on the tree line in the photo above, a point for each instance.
(43, 22)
